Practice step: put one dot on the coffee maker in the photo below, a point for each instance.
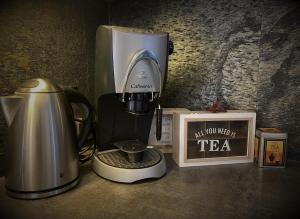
(131, 70)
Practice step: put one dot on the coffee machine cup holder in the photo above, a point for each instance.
(139, 56)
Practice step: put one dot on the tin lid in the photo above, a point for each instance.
(134, 30)
(271, 130)
(38, 85)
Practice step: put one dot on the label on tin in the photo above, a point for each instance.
(274, 152)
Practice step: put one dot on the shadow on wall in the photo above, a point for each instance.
(279, 87)
(2, 165)
(49, 39)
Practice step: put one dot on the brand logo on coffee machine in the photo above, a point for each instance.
(141, 86)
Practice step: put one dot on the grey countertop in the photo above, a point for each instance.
(227, 191)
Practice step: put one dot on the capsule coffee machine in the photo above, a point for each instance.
(131, 69)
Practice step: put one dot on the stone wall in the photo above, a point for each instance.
(243, 52)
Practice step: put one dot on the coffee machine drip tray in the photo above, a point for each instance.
(113, 165)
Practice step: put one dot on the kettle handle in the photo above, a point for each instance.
(75, 97)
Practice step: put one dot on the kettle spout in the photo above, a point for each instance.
(10, 105)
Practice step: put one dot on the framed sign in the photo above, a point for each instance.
(214, 138)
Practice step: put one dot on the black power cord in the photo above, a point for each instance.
(89, 148)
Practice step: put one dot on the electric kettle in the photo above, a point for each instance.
(42, 145)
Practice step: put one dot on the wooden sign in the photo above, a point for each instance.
(204, 138)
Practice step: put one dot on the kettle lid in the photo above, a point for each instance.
(38, 85)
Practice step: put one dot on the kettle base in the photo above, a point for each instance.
(41, 194)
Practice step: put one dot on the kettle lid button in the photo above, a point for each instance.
(38, 85)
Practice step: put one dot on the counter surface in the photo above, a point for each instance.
(227, 191)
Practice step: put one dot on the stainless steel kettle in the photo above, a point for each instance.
(42, 145)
